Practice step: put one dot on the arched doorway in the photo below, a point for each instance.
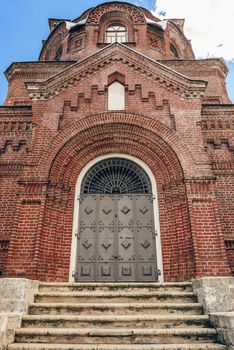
(116, 229)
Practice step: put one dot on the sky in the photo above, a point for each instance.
(24, 24)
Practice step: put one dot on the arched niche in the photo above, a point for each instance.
(116, 97)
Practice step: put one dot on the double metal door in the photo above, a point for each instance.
(116, 238)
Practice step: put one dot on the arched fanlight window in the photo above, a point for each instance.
(116, 32)
(116, 176)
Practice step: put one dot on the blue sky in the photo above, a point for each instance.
(24, 24)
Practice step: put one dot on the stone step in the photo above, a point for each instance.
(197, 346)
(115, 335)
(115, 308)
(126, 287)
(115, 316)
(124, 321)
(110, 297)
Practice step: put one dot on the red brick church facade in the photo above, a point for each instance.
(175, 119)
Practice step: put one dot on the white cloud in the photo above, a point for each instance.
(208, 23)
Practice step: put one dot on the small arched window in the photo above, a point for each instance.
(58, 53)
(174, 51)
(116, 32)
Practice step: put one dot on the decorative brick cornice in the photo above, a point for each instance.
(117, 53)
(8, 169)
(200, 185)
(218, 143)
(35, 188)
(223, 167)
(38, 69)
(217, 109)
(15, 111)
(198, 64)
(211, 124)
(16, 126)
(15, 145)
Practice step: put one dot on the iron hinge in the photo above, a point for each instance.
(77, 234)
(75, 275)
(158, 273)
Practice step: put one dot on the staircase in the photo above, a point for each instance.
(115, 316)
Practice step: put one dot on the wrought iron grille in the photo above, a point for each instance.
(116, 176)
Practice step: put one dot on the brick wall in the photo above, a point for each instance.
(4, 244)
(55, 120)
(230, 253)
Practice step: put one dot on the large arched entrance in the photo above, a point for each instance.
(116, 229)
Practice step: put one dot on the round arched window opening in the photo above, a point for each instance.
(116, 176)
(58, 53)
(174, 51)
(116, 32)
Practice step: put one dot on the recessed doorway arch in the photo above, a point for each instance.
(120, 257)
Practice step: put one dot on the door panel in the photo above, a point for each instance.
(125, 210)
(89, 210)
(146, 272)
(126, 249)
(106, 210)
(116, 238)
(144, 215)
(145, 244)
(106, 254)
(87, 244)
(126, 272)
(106, 272)
(86, 254)
(105, 244)
(86, 272)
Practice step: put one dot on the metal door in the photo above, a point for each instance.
(116, 239)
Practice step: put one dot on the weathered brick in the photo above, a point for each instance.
(178, 120)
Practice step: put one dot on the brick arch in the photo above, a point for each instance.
(135, 12)
(147, 125)
(114, 138)
(107, 138)
(119, 17)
